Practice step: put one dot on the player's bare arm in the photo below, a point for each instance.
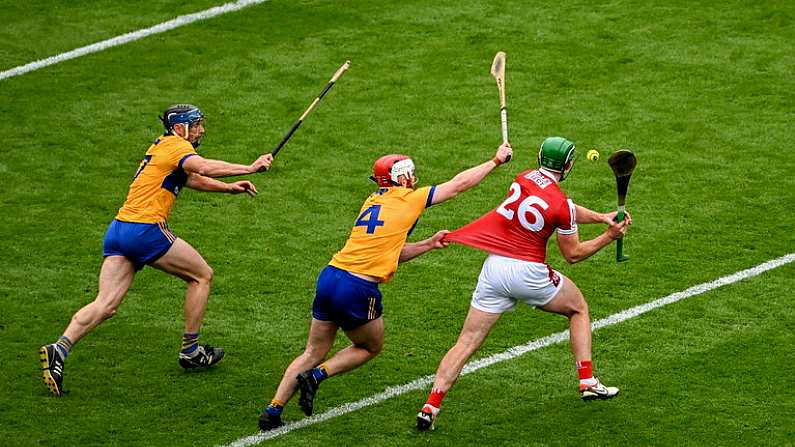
(584, 215)
(207, 184)
(472, 176)
(217, 168)
(573, 250)
(414, 249)
(588, 216)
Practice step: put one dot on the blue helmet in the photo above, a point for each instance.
(181, 114)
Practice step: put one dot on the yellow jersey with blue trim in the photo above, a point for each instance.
(158, 181)
(386, 219)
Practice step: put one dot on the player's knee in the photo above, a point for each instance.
(579, 306)
(314, 355)
(209, 273)
(373, 348)
(205, 275)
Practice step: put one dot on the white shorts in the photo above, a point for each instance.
(505, 281)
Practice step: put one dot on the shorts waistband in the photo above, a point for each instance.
(352, 277)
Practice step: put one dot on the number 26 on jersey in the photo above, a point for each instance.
(529, 216)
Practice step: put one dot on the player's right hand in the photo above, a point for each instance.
(504, 153)
(438, 241)
(617, 230)
(262, 163)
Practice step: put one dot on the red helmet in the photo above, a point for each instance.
(389, 168)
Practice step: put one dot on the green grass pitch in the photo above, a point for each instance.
(702, 92)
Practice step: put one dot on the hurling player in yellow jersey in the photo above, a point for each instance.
(347, 295)
(139, 236)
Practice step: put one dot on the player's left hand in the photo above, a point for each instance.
(243, 186)
(610, 218)
(438, 241)
(504, 153)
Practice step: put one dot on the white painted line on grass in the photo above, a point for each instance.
(516, 351)
(130, 37)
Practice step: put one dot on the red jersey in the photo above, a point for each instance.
(521, 226)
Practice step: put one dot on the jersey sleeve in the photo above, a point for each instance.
(421, 198)
(567, 223)
(179, 153)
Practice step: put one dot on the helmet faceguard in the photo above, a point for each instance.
(557, 154)
(186, 114)
(388, 169)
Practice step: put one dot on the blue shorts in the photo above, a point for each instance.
(347, 300)
(141, 243)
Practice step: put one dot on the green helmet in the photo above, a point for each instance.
(557, 154)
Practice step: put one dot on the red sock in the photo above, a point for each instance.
(435, 398)
(585, 369)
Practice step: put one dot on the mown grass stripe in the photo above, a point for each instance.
(516, 351)
(130, 37)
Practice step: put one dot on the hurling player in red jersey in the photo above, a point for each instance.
(515, 234)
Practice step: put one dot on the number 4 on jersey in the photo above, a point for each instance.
(369, 219)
